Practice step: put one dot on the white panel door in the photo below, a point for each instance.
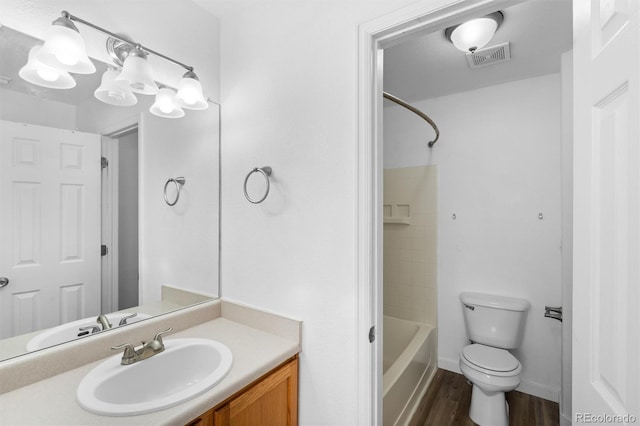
(606, 295)
(49, 227)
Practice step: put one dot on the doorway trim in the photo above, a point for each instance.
(409, 22)
(109, 210)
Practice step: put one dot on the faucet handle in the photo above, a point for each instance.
(90, 328)
(159, 334)
(123, 320)
(129, 350)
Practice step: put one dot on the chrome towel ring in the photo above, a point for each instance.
(266, 172)
(178, 182)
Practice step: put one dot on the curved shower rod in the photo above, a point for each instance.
(424, 116)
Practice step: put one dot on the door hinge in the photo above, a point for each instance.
(372, 334)
(104, 162)
(553, 312)
(103, 250)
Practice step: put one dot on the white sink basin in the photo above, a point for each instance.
(186, 368)
(70, 331)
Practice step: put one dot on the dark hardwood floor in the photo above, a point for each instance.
(449, 395)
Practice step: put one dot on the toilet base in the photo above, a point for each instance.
(488, 408)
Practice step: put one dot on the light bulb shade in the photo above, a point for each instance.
(476, 33)
(64, 48)
(165, 105)
(114, 92)
(190, 94)
(43, 75)
(137, 72)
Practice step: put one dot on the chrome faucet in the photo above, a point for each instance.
(147, 350)
(104, 322)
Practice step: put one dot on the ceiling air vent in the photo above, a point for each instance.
(489, 55)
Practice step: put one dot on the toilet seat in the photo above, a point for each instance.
(489, 360)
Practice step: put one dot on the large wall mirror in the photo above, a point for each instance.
(104, 210)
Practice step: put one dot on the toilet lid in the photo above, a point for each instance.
(490, 358)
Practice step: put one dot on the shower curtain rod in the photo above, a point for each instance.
(424, 116)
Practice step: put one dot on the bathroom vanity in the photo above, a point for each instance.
(262, 379)
(274, 396)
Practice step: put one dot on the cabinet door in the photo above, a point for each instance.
(204, 420)
(271, 401)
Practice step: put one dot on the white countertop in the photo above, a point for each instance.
(256, 350)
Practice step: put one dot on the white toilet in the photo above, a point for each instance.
(494, 324)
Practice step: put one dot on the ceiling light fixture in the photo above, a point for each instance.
(64, 52)
(476, 33)
(43, 75)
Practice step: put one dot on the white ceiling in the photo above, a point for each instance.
(539, 31)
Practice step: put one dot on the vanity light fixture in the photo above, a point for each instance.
(476, 33)
(190, 92)
(64, 48)
(136, 71)
(43, 75)
(113, 91)
(165, 104)
(64, 52)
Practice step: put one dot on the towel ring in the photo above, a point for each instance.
(178, 182)
(266, 172)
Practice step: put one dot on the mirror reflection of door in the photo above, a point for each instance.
(52, 250)
(49, 226)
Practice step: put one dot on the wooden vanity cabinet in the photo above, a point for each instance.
(271, 400)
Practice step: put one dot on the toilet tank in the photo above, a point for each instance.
(493, 320)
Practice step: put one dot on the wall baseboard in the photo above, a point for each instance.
(541, 391)
(528, 387)
(449, 365)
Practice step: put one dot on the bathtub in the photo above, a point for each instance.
(409, 363)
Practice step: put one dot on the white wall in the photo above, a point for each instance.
(21, 108)
(97, 117)
(179, 244)
(499, 161)
(289, 80)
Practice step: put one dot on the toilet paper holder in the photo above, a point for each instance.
(553, 312)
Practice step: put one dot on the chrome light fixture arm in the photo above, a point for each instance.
(121, 38)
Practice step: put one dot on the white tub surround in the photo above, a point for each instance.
(409, 365)
(259, 342)
(410, 234)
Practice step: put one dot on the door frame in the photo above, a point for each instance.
(109, 225)
(109, 222)
(386, 31)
